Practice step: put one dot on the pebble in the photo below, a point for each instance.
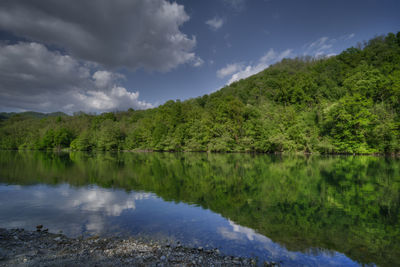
(44, 249)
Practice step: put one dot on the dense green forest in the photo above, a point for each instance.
(349, 103)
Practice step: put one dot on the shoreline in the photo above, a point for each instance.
(19, 247)
(283, 153)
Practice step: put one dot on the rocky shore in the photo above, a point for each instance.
(19, 247)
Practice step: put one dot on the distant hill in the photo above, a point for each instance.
(349, 103)
(7, 115)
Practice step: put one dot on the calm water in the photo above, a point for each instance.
(313, 211)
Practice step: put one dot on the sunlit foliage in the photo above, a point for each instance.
(349, 103)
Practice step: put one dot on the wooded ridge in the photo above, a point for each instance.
(349, 103)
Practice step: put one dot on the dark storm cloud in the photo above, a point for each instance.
(34, 78)
(30, 68)
(119, 33)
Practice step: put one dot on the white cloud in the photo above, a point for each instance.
(118, 98)
(215, 23)
(330, 55)
(320, 47)
(325, 46)
(269, 56)
(197, 62)
(351, 35)
(104, 79)
(248, 232)
(238, 232)
(239, 71)
(237, 5)
(98, 203)
(247, 71)
(105, 201)
(229, 70)
(87, 208)
(35, 78)
(348, 36)
(119, 33)
(318, 43)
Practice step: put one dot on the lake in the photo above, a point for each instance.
(297, 210)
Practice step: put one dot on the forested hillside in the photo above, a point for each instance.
(349, 103)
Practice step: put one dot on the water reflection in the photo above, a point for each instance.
(96, 210)
(302, 210)
(72, 210)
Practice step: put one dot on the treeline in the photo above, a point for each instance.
(349, 103)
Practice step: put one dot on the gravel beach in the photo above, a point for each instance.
(19, 247)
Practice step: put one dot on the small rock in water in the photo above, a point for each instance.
(200, 248)
(57, 238)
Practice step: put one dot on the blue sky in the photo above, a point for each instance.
(105, 55)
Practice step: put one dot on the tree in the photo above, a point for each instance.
(349, 123)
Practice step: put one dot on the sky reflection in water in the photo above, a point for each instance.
(318, 211)
(95, 210)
